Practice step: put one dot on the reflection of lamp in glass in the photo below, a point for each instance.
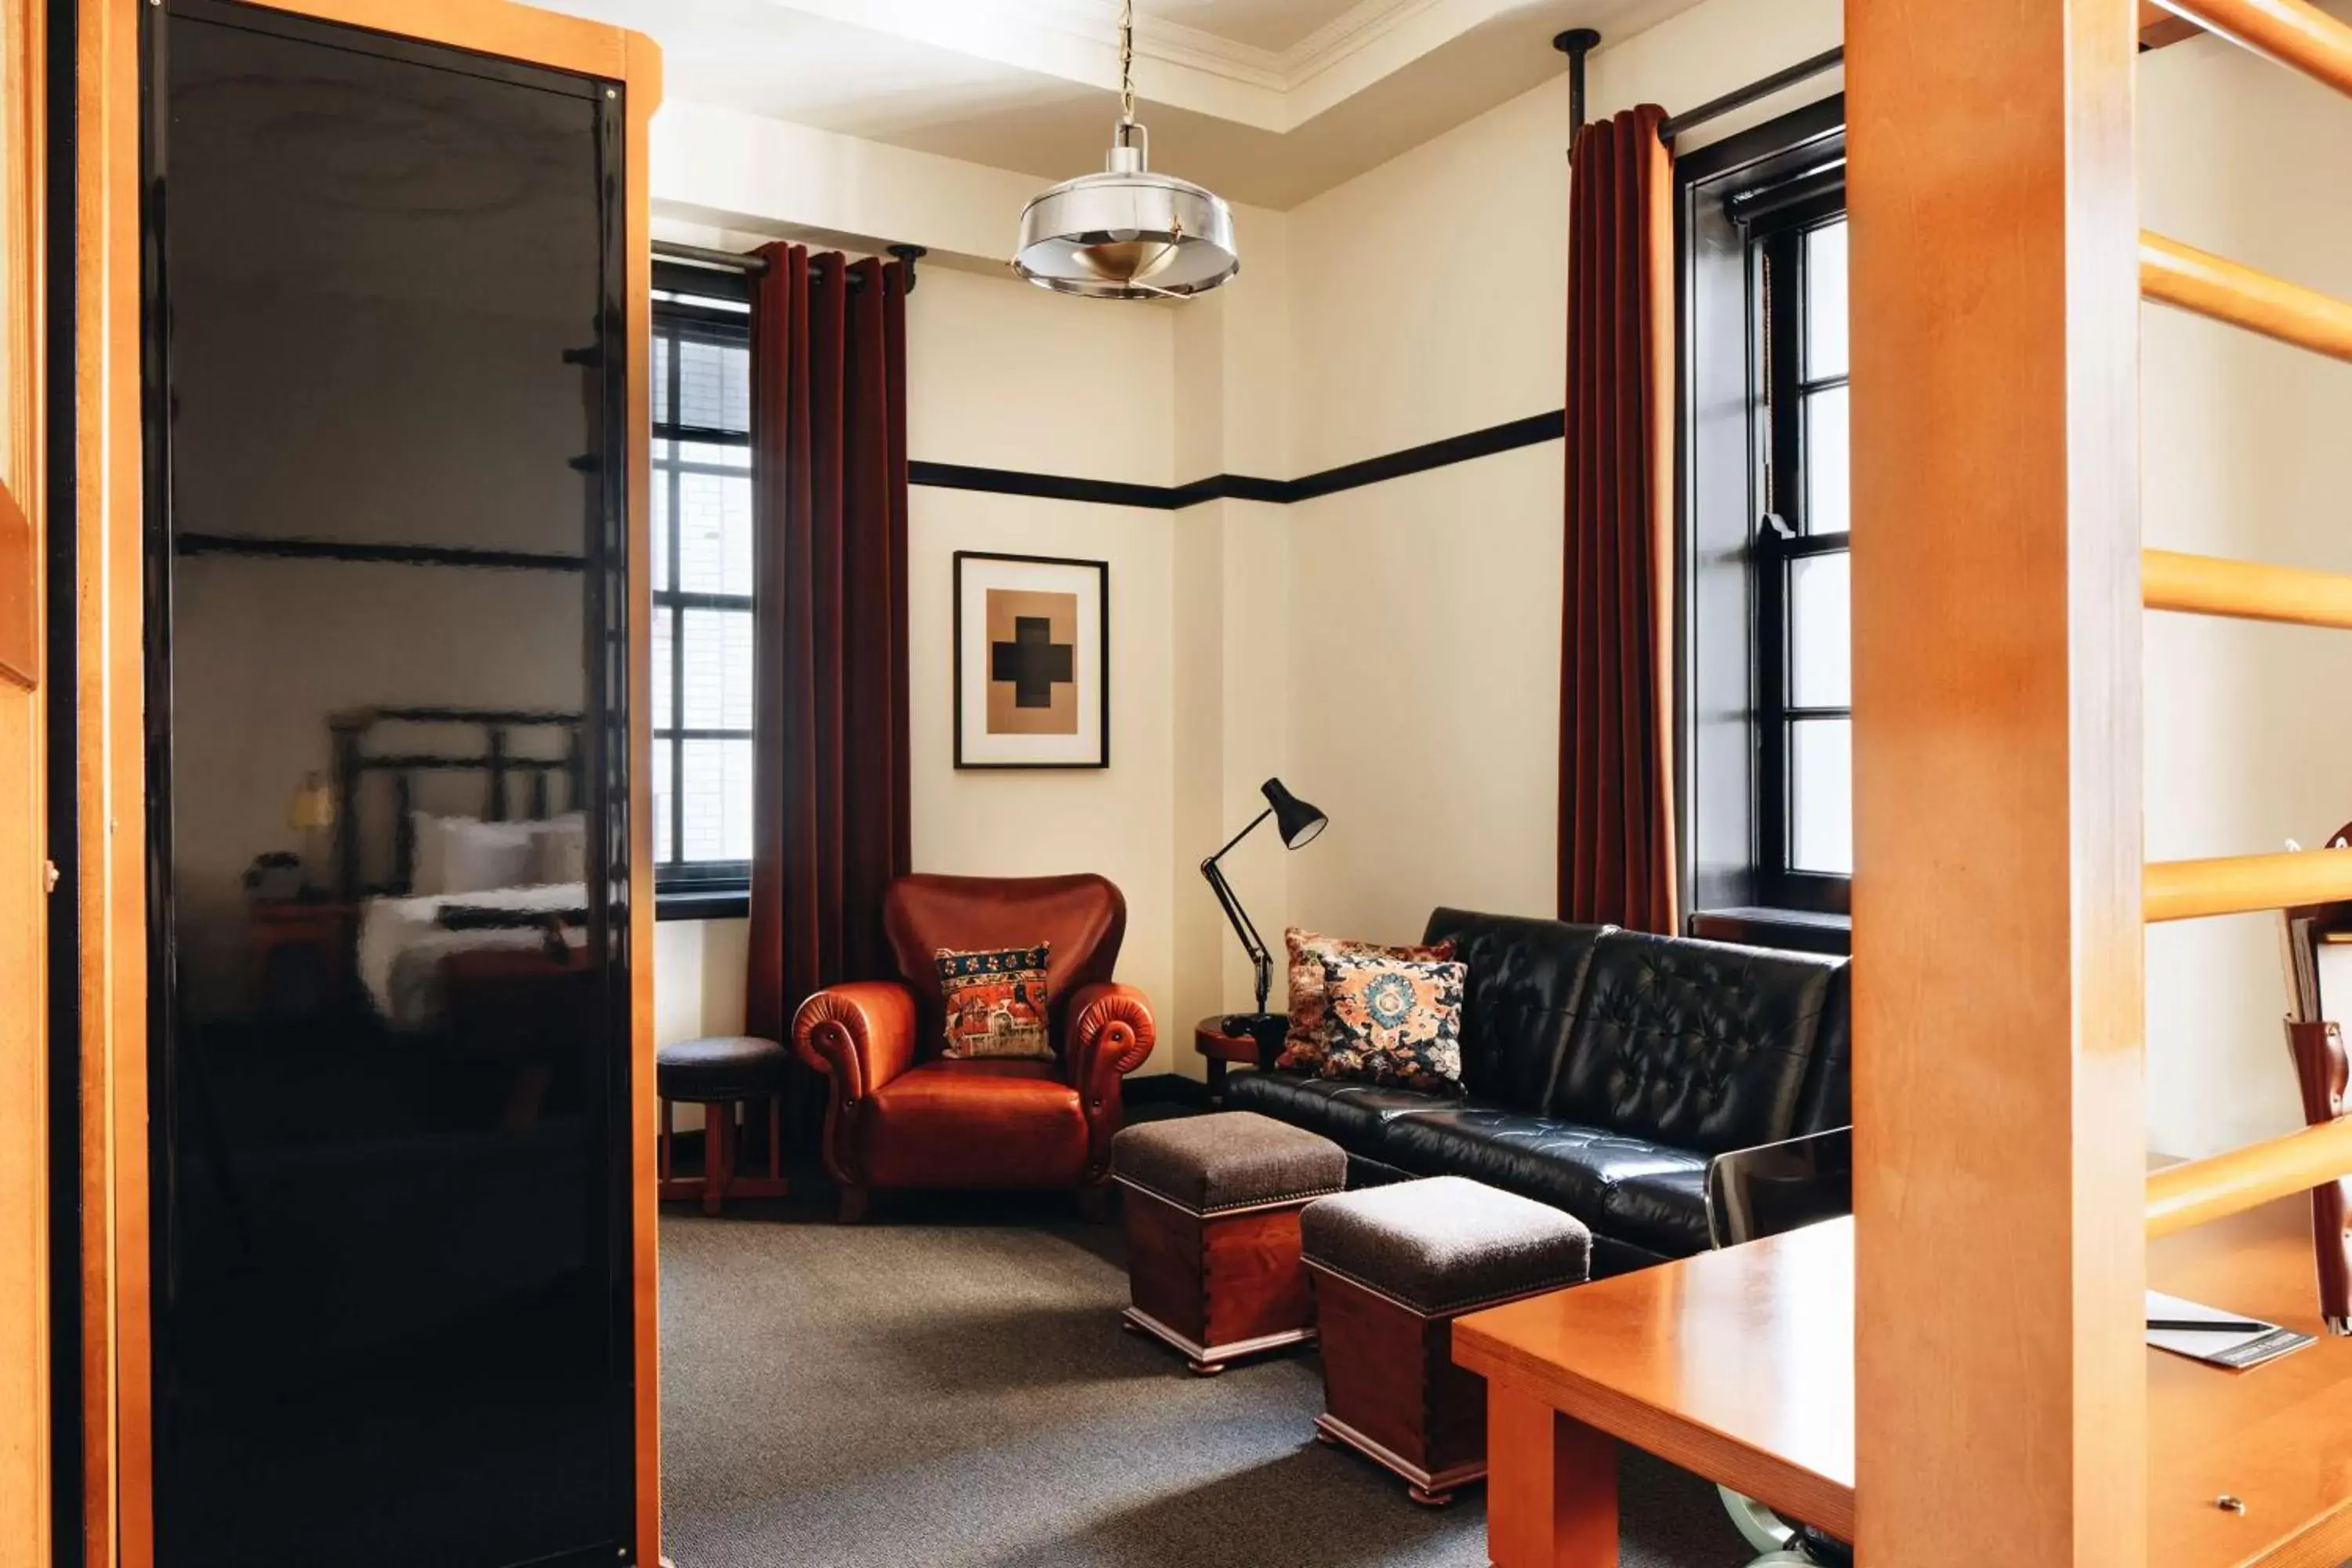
(312, 813)
(1298, 823)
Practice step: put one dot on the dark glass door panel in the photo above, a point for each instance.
(391, 1004)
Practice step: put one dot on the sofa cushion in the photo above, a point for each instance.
(1519, 1001)
(1350, 1114)
(1698, 1045)
(1579, 1169)
(1394, 1021)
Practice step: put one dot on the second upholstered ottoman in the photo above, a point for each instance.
(1393, 1267)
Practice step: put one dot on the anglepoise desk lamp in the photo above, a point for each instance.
(1298, 823)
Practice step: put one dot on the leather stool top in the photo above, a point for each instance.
(723, 1067)
(1445, 1243)
(1233, 1159)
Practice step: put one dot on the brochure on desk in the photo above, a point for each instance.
(2235, 1348)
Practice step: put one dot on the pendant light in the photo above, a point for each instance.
(1127, 233)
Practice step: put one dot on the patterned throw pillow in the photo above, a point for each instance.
(996, 1002)
(1395, 1021)
(1310, 1033)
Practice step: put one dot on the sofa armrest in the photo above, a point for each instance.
(860, 1035)
(1110, 1033)
(1773, 1187)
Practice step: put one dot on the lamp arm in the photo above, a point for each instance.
(1243, 927)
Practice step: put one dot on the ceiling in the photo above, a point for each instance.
(1266, 102)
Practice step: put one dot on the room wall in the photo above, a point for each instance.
(2241, 442)
(1003, 375)
(1438, 595)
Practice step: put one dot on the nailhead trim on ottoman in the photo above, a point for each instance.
(1212, 1207)
(1393, 1267)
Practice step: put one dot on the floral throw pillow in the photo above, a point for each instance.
(1310, 1033)
(1395, 1021)
(996, 1002)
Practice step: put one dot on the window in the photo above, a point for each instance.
(1765, 667)
(1801, 561)
(703, 547)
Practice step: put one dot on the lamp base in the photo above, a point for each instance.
(1269, 1029)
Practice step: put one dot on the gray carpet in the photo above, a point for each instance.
(947, 1387)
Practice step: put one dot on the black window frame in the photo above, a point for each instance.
(1732, 198)
(1783, 534)
(694, 889)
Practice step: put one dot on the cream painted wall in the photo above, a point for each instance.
(1429, 607)
(2240, 455)
(1003, 375)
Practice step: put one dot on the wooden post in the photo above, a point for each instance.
(2001, 1382)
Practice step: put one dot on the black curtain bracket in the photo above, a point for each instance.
(1576, 42)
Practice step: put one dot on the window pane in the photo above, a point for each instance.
(714, 389)
(1821, 596)
(662, 848)
(1825, 301)
(715, 454)
(664, 621)
(661, 379)
(718, 800)
(661, 529)
(1820, 789)
(1826, 511)
(714, 533)
(718, 670)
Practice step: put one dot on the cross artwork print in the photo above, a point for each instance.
(1033, 686)
(1033, 661)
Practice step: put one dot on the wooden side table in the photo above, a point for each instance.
(1222, 1049)
(322, 928)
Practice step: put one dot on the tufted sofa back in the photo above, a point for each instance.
(1519, 1007)
(1706, 1046)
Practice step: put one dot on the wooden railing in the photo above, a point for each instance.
(2302, 36)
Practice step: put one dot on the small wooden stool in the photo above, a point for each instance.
(1393, 1267)
(1211, 1213)
(721, 1075)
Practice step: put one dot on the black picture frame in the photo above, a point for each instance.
(1101, 569)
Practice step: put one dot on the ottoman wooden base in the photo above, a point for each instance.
(1218, 1285)
(1391, 1391)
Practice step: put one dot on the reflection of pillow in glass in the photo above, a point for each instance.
(435, 841)
(480, 856)
(560, 848)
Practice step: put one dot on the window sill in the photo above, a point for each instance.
(1805, 930)
(722, 903)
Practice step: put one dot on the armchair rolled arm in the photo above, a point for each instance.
(1110, 1034)
(861, 1036)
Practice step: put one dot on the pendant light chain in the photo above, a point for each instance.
(1127, 62)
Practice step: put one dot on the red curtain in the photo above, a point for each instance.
(829, 432)
(1616, 745)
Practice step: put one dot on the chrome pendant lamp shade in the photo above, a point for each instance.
(1127, 233)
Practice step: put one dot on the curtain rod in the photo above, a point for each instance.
(1740, 98)
(739, 262)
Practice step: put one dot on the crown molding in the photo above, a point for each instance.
(1354, 30)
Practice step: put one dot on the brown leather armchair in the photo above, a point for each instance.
(898, 1114)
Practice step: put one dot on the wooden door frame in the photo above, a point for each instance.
(117, 1403)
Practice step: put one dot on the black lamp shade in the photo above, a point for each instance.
(1297, 821)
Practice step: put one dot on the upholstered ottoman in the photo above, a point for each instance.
(1393, 1267)
(1211, 1213)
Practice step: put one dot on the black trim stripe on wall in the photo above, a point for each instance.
(1534, 430)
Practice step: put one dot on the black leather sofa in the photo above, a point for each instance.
(1602, 1070)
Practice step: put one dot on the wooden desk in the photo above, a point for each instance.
(1738, 1366)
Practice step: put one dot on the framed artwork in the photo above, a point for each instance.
(1032, 661)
